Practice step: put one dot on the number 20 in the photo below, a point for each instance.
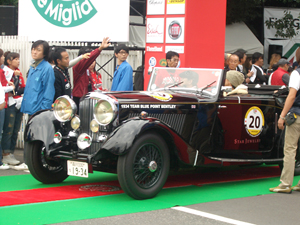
(254, 122)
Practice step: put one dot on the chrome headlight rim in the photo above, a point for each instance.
(72, 105)
(114, 111)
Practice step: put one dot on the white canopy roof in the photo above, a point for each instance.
(238, 36)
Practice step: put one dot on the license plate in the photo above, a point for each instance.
(78, 169)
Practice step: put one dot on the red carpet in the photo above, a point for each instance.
(113, 187)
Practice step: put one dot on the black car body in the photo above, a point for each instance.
(141, 135)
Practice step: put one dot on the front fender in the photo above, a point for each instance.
(41, 127)
(122, 138)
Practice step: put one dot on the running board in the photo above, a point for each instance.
(246, 160)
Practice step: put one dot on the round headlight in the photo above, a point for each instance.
(75, 123)
(94, 126)
(104, 112)
(84, 141)
(64, 108)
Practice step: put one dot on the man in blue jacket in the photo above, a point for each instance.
(123, 80)
(39, 91)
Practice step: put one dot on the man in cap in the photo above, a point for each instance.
(281, 76)
(235, 79)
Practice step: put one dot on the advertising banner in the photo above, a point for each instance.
(74, 20)
(155, 7)
(273, 14)
(187, 27)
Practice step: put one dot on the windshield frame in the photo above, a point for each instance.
(194, 90)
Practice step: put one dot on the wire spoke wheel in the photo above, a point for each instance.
(147, 167)
(143, 171)
(43, 169)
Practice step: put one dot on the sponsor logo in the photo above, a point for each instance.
(156, 2)
(155, 30)
(155, 49)
(175, 30)
(152, 61)
(176, 1)
(65, 13)
(165, 97)
(163, 62)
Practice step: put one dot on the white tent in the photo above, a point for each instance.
(238, 35)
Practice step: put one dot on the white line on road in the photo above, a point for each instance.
(210, 216)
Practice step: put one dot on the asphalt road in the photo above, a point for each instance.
(270, 209)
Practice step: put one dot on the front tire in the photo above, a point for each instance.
(143, 171)
(44, 170)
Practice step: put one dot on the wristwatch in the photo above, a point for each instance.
(282, 118)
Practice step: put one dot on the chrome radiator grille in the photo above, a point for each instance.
(86, 109)
(176, 121)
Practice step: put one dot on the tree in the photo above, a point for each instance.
(9, 2)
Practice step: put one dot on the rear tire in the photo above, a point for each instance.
(44, 170)
(143, 171)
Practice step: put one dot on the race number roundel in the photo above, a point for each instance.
(254, 121)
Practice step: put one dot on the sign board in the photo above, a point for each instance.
(74, 20)
(187, 27)
(155, 7)
(273, 14)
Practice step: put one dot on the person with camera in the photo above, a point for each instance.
(290, 116)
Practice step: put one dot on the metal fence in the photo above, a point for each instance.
(22, 46)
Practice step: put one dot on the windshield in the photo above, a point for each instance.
(185, 79)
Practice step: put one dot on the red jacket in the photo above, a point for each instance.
(96, 79)
(4, 83)
(80, 78)
(21, 85)
(277, 77)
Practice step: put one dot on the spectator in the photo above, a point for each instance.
(13, 115)
(139, 79)
(123, 80)
(273, 63)
(172, 59)
(96, 76)
(168, 77)
(226, 59)
(281, 75)
(232, 62)
(39, 91)
(242, 59)
(295, 65)
(258, 77)
(81, 79)
(292, 134)
(6, 87)
(62, 82)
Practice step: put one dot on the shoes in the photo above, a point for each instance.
(4, 167)
(296, 188)
(281, 189)
(10, 159)
(23, 166)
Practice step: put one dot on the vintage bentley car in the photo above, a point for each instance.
(184, 119)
